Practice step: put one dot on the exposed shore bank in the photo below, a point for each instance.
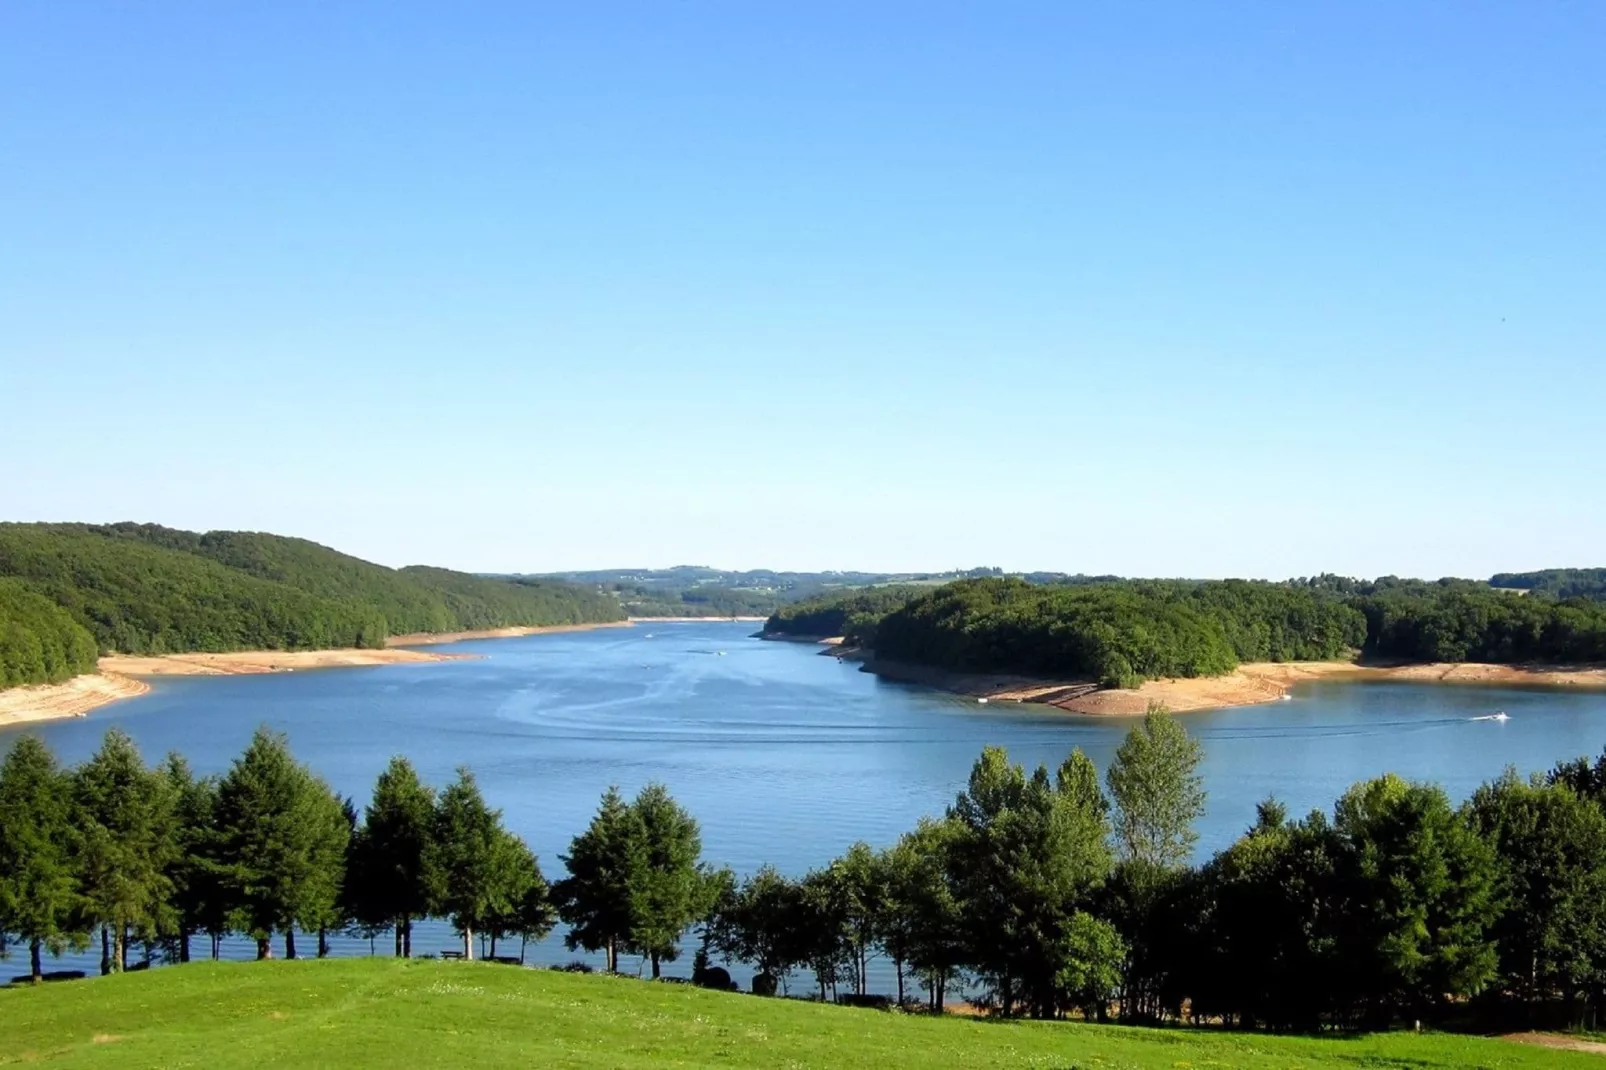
(1249, 685)
(433, 638)
(694, 620)
(73, 698)
(251, 662)
(118, 672)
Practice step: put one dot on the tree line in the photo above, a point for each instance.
(1122, 632)
(852, 615)
(1044, 893)
(144, 589)
(1118, 633)
(1560, 583)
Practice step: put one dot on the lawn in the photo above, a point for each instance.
(383, 1012)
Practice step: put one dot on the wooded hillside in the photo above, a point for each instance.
(144, 589)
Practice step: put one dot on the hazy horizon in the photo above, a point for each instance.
(1243, 289)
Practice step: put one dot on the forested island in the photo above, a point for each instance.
(1121, 633)
(69, 592)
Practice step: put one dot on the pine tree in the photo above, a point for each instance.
(597, 899)
(468, 860)
(520, 906)
(390, 887)
(124, 813)
(668, 891)
(281, 836)
(198, 900)
(37, 890)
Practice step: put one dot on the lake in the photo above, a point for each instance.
(784, 755)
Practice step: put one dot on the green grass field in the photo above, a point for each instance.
(382, 1012)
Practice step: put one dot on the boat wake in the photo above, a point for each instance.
(1498, 715)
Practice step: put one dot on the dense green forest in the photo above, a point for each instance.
(1118, 633)
(40, 643)
(852, 615)
(1122, 632)
(1044, 893)
(143, 589)
(1557, 582)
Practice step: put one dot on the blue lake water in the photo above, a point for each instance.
(786, 756)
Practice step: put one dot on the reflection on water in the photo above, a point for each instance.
(787, 756)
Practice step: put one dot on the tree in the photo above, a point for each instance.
(473, 871)
(281, 839)
(520, 907)
(597, 899)
(1158, 793)
(821, 927)
(1024, 857)
(760, 924)
(1550, 849)
(199, 903)
(923, 925)
(390, 886)
(861, 880)
(1421, 883)
(37, 890)
(123, 812)
(1090, 965)
(668, 891)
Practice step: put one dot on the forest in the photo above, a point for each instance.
(39, 641)
(853, 615)
(1122, 632)
(1039, 893)
(1556, 582)
(143, 589)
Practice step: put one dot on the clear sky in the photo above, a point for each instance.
(1208, 289)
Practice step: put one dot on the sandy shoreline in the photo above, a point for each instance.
(251, 662)
(1249, 685)
(116, 680)
(74, 698)
(695, 620)
(433, 638)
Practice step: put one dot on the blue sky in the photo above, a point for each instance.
(1159, 289)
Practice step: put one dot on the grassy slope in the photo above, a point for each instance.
(381, 1012)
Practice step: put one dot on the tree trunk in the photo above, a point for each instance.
(407, 938)
(398, 938)
(655, 971)
(105, 950)
(217, 946)
(323, 941)
(290, 942)
(37, 960)
(184, 946)
(468, 943)
(264, 948)
(524, 942)
(612, 954)
(493, 945)
(897, 964)
(120, 949)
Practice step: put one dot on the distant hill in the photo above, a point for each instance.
(699, 591)
(1557, 582)
(145, 589)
